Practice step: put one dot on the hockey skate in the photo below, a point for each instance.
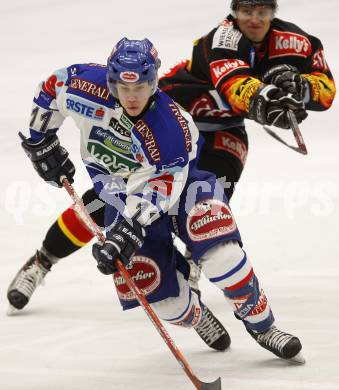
(211, 331)
(26, 281)
(283, 345)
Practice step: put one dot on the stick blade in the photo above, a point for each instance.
(216, 385)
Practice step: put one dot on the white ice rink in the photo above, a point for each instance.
(73, 334)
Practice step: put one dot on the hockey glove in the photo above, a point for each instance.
(49, 159)
(269, 106)
(287, 78)
(121, 243)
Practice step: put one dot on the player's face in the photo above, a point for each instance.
(134, 96)
(254, 21)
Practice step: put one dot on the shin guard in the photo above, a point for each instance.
(228, 267)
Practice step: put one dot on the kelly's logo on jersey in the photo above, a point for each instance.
(84, 109)
(222, 68)
(231, 144)
(284, 43)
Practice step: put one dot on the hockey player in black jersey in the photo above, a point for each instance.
(242, 69)
(239, 70)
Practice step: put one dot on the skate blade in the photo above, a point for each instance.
(11, 310)
(298, 358)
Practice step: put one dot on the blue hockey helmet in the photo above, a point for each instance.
(235, 3)
(133, 61)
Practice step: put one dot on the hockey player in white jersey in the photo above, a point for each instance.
(145, 181)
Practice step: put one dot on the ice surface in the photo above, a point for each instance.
(73, 335)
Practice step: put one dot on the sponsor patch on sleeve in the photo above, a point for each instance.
(50, 84)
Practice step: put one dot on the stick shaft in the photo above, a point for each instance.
(296, 132)
(86, 218)
(301, 148)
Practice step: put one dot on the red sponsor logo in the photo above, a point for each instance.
(184, 126)
(319, 62)
(89, 88)
(208, 219)
(222, 68)
(129, 77)
(201, 106)
(284, 43)
(205, 106)
(261, 305)
(49, 85)
(162, 184)
(231, 144)
(150, 143)
(99, 112)
(145, 274)
(139, 157)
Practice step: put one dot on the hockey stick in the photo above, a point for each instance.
(301, 148)
(86, 218)
(296, 131)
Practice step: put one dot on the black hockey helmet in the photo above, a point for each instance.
(235, 3)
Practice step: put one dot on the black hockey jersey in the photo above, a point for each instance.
(216, 85)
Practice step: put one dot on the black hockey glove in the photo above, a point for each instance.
(270, 104)
(49, 159)
(287, 78)
(121, 243)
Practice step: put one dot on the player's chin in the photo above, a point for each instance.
(255, 36)
(133, 111)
